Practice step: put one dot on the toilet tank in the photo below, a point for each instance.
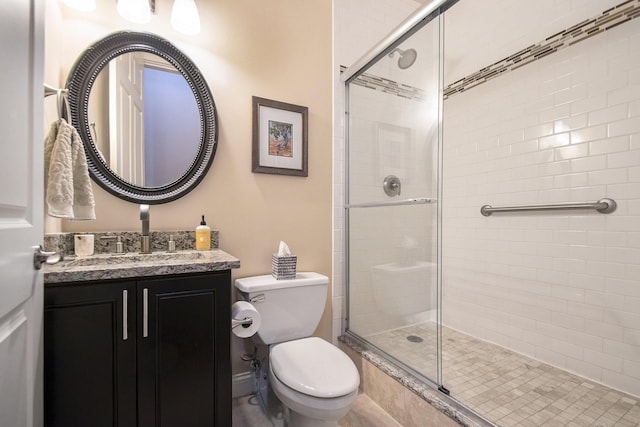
(289, 309)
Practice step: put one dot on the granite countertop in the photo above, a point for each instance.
(130, 265)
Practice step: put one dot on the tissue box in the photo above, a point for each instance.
(283, 267)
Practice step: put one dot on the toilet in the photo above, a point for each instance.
(315, 381)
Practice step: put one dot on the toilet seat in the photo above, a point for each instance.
(314, 367)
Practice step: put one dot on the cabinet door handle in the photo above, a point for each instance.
(145, 313)
(125, 310)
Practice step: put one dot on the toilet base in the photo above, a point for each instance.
(295, 419)
(271, 406)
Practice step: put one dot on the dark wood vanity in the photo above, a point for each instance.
(139, 351)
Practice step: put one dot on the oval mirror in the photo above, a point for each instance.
(146, 116)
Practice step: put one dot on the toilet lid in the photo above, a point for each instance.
(314, 367)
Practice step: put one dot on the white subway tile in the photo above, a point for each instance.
(580, 91)
(632, 337)
(557, 195)
(606, 300)
(571, 123)
(568, 321)
(622, 318)
(570, 237)
(589, 163)
(540, 157)
(592, 133)
(551, 357)
(587, 281)
(624, 159)
(622, 255)
(603, 360)
(585, 311)
(538, 131)
(566, 348)
(632, 305)
(568, 293)
(571, 152)
(609, 145)
(606, 115)
(631, 368)
(624, 127)
(623, 95)
(609, 176)
(590, 193)
(588, 222)
(585, 340)
(555, 113)
(555, 85)
(554, 140)
(635, 141)
(621, 381)
(604, 330)
(634, 108)
(623, 350)
(583, 368)
(606, 269)
(588, 105)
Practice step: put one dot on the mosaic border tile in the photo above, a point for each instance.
(387, 86)
(610, 18)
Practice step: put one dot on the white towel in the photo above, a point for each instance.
(68, 188)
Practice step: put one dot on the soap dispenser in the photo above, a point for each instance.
(203, 236)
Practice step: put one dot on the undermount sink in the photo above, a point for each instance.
(120, 259)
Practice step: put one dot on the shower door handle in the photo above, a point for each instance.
(392, 186)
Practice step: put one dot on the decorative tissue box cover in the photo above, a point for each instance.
(283, 267)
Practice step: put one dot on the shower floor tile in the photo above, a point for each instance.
(505, 387)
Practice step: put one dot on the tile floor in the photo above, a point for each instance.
(364, 413)
(505, 387)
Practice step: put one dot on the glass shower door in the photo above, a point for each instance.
(393, 134)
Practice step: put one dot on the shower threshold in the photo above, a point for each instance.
(505, 387)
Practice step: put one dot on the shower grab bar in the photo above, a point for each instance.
(416, 201)
(604, 206)
(395, 36)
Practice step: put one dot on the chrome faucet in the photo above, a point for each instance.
(145, 244)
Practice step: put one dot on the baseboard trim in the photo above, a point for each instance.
(242, 384)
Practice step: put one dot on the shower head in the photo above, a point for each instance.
(407, 57)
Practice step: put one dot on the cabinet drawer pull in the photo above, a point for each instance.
(145, 313)
(125, 312)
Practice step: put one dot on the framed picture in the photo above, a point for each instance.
(279, 138)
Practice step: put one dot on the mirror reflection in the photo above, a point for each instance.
(144, 119)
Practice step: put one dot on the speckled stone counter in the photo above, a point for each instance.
(109, 266)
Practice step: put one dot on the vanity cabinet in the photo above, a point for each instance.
(142, 352)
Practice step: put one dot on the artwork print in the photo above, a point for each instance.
(280, 139)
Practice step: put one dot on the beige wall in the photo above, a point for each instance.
(281, 50)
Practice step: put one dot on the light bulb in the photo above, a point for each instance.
(82, 5)
(136, 11)
(185, 17)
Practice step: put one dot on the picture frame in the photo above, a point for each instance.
(280, 138)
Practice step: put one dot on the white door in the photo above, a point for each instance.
(126, 117)
(21, 211)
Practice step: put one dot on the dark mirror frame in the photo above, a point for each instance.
(79, 83)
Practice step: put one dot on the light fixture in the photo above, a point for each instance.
(136, 11)
(82, 5)
(185, 17)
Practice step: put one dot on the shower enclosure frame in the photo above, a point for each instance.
(405, 30)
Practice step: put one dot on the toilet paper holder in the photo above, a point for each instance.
(246, 322)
